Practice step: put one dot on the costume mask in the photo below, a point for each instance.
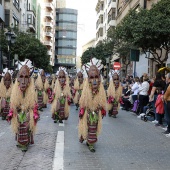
(62, 77)
(43, 76)
(115, 77)
(24, 78)
(94, 78)
(7, 80)
(80, 77)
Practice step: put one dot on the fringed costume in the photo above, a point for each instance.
(41, 89)
(23, 110)
(114, 94)
(5, 93)
(92, 107)
(78, 86)
(61, 98)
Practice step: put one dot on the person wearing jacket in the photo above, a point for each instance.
(159, 105)
(166, 98)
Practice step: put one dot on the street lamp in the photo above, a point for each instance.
(10, 37)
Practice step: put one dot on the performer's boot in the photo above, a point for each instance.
(77, 106)
(91, 147)
(31, 139)
(56, 118)
(40, 109)
(114, 116)
(60, 121)
(109, 113)
(81, 139)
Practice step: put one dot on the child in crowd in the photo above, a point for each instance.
(159, 105)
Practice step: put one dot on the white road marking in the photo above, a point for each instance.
(58, 162)
(61, 124)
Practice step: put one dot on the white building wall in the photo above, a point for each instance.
(141, 66)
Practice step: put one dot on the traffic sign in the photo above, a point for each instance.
(116, 66)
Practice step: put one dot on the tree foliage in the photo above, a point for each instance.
(148, 30)
(101, 51)
(27, 46)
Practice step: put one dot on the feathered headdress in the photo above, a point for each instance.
(115, 71)
(94, 61)
(26, 62)
(5, 70)
(112, 72)
(63, 69)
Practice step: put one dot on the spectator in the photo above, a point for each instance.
(152, 98)
(125, 98)
(143, 94)
(159, 106)
(135, 89)
(167, 104)
(151, 85)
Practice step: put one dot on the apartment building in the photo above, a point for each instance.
(61, 3)
(106, 14)
(89, 44)
(46, 25)
(12, 13)
(66, 38)
(2, 14)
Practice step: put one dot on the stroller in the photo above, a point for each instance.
(148, 113)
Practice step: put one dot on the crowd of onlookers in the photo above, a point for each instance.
(140, 94)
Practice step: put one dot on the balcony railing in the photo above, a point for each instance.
(49, 52)
(32, 27)
(48, 34)
(48, 43)
(49, 24)
(49, 5)
(49, 15)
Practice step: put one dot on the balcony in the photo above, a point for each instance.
(32, 27)
(49, 52)
(49, 15)
(48, 34)
(49, 5)
(99, 26)
(48, 43)
(48, 24)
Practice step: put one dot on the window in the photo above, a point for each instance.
(29, 18)
(16, 4)
(15, 22)
(67, 17)
(64, 51)
(67, 43)
(66, 60)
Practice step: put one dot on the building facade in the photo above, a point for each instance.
(46, 26)
(2, 14)
(61, 3)
(12, 14)
(66, 38)
(89, 44)
(143, 65)
(106, 14)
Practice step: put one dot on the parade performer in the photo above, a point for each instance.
(41, 85)
(114, 93)
(61, 97)
(23, 112)
(78, 86)
(5, 92)
(51, 84)
(92, 105)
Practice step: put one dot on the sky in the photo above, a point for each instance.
(86, 21)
